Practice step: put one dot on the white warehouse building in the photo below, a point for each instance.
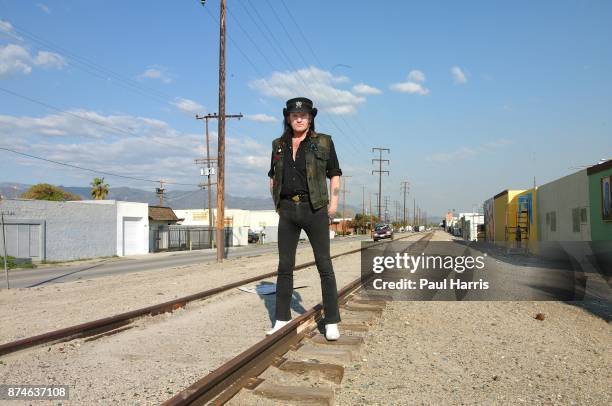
(42, 230)
(241, 221)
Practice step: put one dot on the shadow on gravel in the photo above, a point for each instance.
(67, 274)
(586, 264)
(270, 301)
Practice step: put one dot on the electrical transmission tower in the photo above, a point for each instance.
(405, 187)
(380, 172)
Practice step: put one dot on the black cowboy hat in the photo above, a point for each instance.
(299, 104)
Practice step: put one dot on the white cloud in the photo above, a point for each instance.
(413, 85)
(340, 110)
(362, 88)
(15, 59)
(157, 73)
(262, 118)
(188, 106)
(44, 7)
(79, 123)
(7, 28)
(49, 60)
(416, 76)
(410, 87)
(247, 151)
(313, 83)
(340, 79)
(458, 75)
(149, 148)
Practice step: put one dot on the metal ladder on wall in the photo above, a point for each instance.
(522, 221)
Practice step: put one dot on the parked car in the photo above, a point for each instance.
(381, 232)
(253, 237)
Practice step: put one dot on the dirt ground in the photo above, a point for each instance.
(160, 355)
(428, 353)
(30, 311)
(482, 353)
(421, 353)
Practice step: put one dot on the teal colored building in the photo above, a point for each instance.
(600, 197)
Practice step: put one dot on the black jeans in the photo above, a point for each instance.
(295, 216)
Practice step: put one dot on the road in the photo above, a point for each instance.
(29, 278)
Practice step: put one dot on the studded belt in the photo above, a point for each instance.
(297, 198)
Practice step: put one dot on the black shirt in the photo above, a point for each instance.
(294, 172)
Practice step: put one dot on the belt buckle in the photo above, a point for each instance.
(295, 198)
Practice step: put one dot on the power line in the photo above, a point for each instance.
(92, 170)
(115, 129)
(168, 199)
(305, 39)
(280, 22)
(274, 41)
(301, 32)
(65, 112)
(274, 45)
(250, 38)
(98, 70)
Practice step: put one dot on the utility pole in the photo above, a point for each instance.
(386, 209)
(209, 170)
(378, 200)
(380, 172)
(160, 192)
(397, 216)
(363, 206)
(370, 215)
(4, 253)
(221, 143)
(405, 186)
(344, 191)
(413, 212)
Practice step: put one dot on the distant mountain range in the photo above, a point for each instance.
(179, 199)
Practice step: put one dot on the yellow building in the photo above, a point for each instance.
(526, 214)
(504, 209)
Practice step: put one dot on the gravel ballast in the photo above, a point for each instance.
(420, 353)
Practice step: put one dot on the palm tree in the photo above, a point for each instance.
(99, 189)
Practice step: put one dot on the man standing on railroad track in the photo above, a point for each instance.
(302, 159)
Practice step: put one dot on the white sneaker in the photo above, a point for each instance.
(331, 332)
(277, 326)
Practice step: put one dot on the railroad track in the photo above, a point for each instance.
(121, 322)
(296, 364)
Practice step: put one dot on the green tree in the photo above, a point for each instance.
(45, 191)
(99, 189)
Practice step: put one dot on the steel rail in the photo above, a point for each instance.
(106, 324)
(241, 371)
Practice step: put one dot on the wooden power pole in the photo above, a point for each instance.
(160, 192)
(363, 206)
(221, 143)
(209, 169)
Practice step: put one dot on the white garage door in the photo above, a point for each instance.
(132, 236)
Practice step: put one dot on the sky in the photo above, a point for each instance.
(470, 98)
